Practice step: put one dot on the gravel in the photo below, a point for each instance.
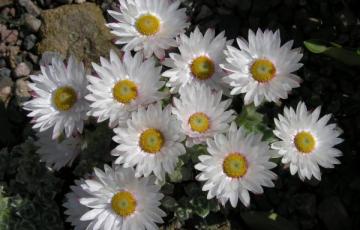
(5, 72)
(30, 7)
(22, 70)
(29, 42)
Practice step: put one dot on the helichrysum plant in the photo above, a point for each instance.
(142, 121)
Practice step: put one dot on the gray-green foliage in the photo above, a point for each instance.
(31, 193)
(185, 202)
(28, 191)
(4, 210)
(95, 149)
(255, 122)
(184, 198)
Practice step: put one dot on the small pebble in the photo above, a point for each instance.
(22, 90)
(2, 62)
(30, 7)
(8, 36)
(5, 89)
(32, 23)
(22, 70)
(29, 42)
(11, 54)
(33, 58)
(5, 94)
(5, 72)
(12, 12)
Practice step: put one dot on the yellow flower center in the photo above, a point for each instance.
(199, 122)
(235, 165)
(202, 68)
(123, 203)
(64, 98)
(305, 142)
(147, 24)
(263, 70)
(125, 91)
(151, 141)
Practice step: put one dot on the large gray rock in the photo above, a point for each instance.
(76, 29)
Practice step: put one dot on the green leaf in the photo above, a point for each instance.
(182, 172)
(184, 201)
(192, 189)
(315, 46)
(249, 118)
(167, 188)
(200, 206)
(31, 188)
(253, 121)
(169, 203)
(335, 51)
(266, 221)
(186, 157)
(335, 44)
(167, 100)
(4, 210)
(346, 56)
(187, 173)
(176, 176)
(96, 144)
(268, 134)
(195, 151)
(214, 205)
(183, 213)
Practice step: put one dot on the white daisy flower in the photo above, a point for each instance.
(119, 201)
(151, 142)
(122, 86)
(59, 100)
(74, 209)
(198, 61)
(238, 163)
(262, 68)
(59, 152)
(306, 141)
(147, 25)
(202, 113)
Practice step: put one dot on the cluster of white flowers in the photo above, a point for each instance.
(129, 91)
